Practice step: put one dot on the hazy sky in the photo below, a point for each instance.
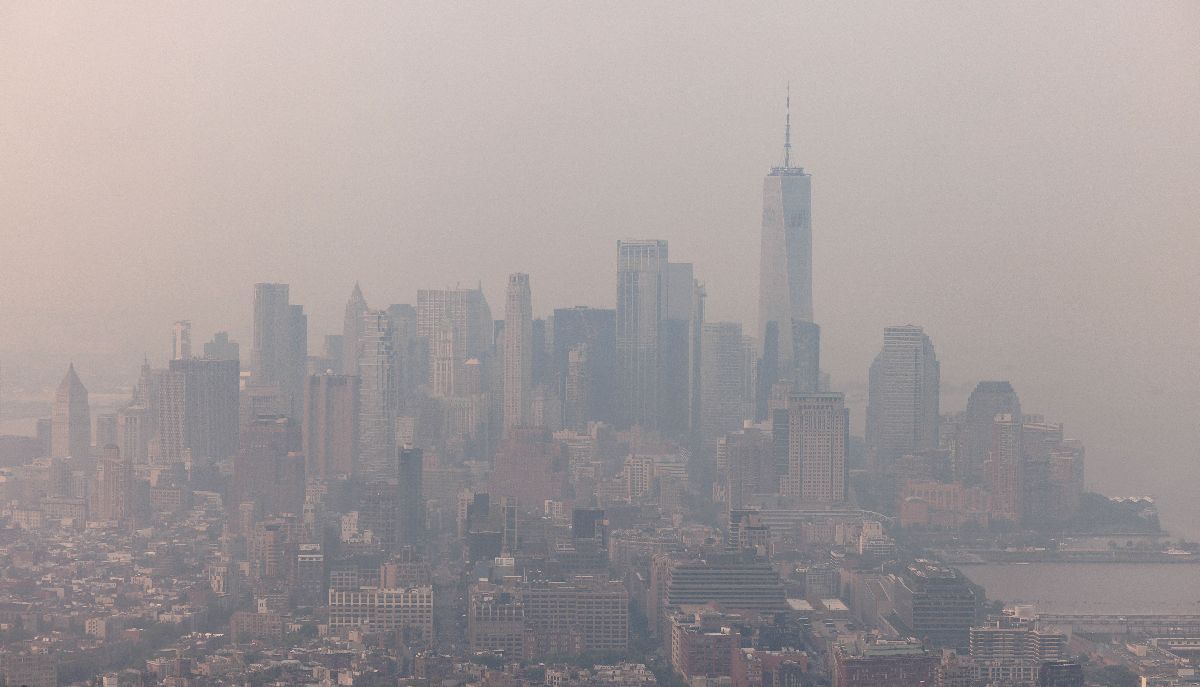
(1022, 179)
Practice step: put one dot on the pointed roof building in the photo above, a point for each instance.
(71, 426)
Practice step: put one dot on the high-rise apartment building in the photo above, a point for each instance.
(377, 408)
(902, 404)
(112, 494)
(330, 425)
(71, 422)
(641, 305)
(785, 267)
(818, 430)
(518, 351)
(1004, 469)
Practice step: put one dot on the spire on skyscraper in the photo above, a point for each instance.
(787, 129)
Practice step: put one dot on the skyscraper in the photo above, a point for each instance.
(458, 325)
(596, 329)
(112, 492)
(1004, 468)
(330, 429)
(277, 358)
(722, 379)
(221, 348)
(785, 268)
(410, 472)
(352, 327)
(679, 351)
(71, 428)
(988, 400)
(641, 305)
(209, 406)
(181, 340)
(377, 398)
(518, 351)
(902, 404)
(817, 432)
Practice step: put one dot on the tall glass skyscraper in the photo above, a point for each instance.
(785, 267)
(641, 308)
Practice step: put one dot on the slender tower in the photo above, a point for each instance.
(518, 351)
(785, 269)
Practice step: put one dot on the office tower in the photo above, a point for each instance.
(818, 426)
(280, 345)
(221, 348)
(106, 429)
(679, 351)
(410, 353)
(412, 500)
(518, 352)
(806, 357)
(641, 304)
(988, 400)
(577, 384)
(268, 470)
(181, 340)
(458, 325)
(595, 328)
(785, 268)
(135, 428)
(377, 409)
(330, 427)
(934, 603)
(209, 406)
(722, 378)
(45, 428)
(112, 493)
(902, 404)
(352, 330)
(746, 466)
(168, 402)
(1004, 469)
(71, 423)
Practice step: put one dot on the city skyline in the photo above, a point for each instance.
(357, 390)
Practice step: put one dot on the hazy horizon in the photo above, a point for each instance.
(1023, 184)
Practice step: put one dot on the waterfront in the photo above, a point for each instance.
(1114, 588)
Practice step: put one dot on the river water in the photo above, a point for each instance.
(1117, 588)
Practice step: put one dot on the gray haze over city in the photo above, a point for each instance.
(1022, 182)
(620, 344)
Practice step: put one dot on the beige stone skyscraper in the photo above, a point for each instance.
(71, 428)
(518, 351)
(816, 448)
